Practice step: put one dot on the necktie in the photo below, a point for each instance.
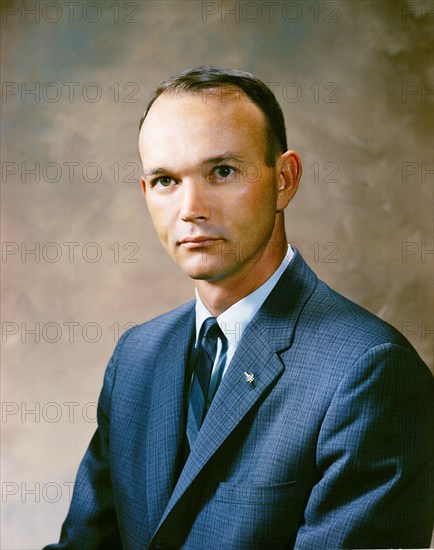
(200, 397)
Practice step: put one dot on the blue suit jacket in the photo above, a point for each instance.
(332, 448)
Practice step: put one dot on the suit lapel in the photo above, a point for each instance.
(166, 424)
(234, 398)
(270, 332)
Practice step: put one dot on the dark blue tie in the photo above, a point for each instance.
(200, 399)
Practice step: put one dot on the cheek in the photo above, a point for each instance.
(160, 219)
(258, 207)
(252, 225)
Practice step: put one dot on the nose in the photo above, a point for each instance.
(195, 204)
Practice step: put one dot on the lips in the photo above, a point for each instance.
(200, 241)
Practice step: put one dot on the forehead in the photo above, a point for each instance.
(201, 125)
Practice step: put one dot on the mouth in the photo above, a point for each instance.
(198, 242)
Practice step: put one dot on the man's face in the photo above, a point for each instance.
(212, 199)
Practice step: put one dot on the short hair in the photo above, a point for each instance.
(205, 78)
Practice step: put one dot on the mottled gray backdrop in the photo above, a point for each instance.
(80, 260)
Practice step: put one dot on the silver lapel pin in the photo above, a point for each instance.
(250, 378)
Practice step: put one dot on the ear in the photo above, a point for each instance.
(289, 166)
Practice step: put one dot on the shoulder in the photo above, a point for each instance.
(156, 330)
(323, 316)
(336, 313)
(141, 344)
(352, 341)
(333, 332)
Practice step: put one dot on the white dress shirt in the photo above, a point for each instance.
(234, 320)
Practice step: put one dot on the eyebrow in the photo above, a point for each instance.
(156, 172)
(224, 157)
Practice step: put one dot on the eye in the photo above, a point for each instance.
(223, 172)
(162, 181)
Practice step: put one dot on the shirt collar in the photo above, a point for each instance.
(234, 320)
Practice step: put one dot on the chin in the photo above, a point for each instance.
(201, 275)
(203, 272)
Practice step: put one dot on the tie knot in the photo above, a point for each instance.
(210, 332)
(210, 328)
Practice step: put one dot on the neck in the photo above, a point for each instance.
(218, 296)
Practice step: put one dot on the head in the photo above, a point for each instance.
(202, 80)
(217, 175)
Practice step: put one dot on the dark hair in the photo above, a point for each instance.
(204, 78)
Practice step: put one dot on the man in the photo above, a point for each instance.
(272, 412)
